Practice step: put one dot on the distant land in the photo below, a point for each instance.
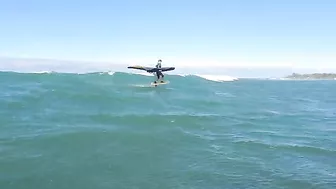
(313, 76)
(40, 65)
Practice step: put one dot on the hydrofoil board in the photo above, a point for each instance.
(159, 83)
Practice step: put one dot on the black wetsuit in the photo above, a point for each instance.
(158, 72)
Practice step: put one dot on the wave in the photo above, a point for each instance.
(102, 73)
(308, 149)
(144, 74)
(43, 72)
(216, 78)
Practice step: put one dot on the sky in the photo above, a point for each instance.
(183, 33)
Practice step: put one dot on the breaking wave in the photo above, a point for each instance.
(216, 78)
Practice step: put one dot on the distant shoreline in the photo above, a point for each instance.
(313, 76)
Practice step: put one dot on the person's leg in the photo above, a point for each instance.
(162, 77)
(158, 76)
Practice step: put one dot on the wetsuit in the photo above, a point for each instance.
(158, 72)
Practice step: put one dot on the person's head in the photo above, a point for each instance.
(159, 60)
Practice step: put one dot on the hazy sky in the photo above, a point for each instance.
(294, 33)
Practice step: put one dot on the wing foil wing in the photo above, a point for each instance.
(151, 69)
(140, 68)
(164, 69)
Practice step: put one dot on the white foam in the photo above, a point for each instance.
(42, 72)
(110, 73)
(102, 73)
(140, 73)
(183, 75)
(145, 74)
(218, 78)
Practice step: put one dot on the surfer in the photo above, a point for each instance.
(158, 72)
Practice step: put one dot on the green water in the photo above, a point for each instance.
(114, 131)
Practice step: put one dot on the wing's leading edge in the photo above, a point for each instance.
(164, 69)
(139, 68)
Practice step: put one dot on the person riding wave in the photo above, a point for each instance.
(158, 72)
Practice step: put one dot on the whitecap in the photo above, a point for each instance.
(139, 73)
(218, 78)
(110, 73)
(42, 72)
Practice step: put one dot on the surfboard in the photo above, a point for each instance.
(159, 83)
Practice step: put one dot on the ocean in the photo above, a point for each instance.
(112, 130)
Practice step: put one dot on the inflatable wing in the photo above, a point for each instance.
(164, 69)
(152, 69)
(140, 68)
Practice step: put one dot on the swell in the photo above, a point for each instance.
(300, 149)
(97, 88)
(209, 130)
(120, 76)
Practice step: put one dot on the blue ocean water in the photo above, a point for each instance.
(104, 130)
